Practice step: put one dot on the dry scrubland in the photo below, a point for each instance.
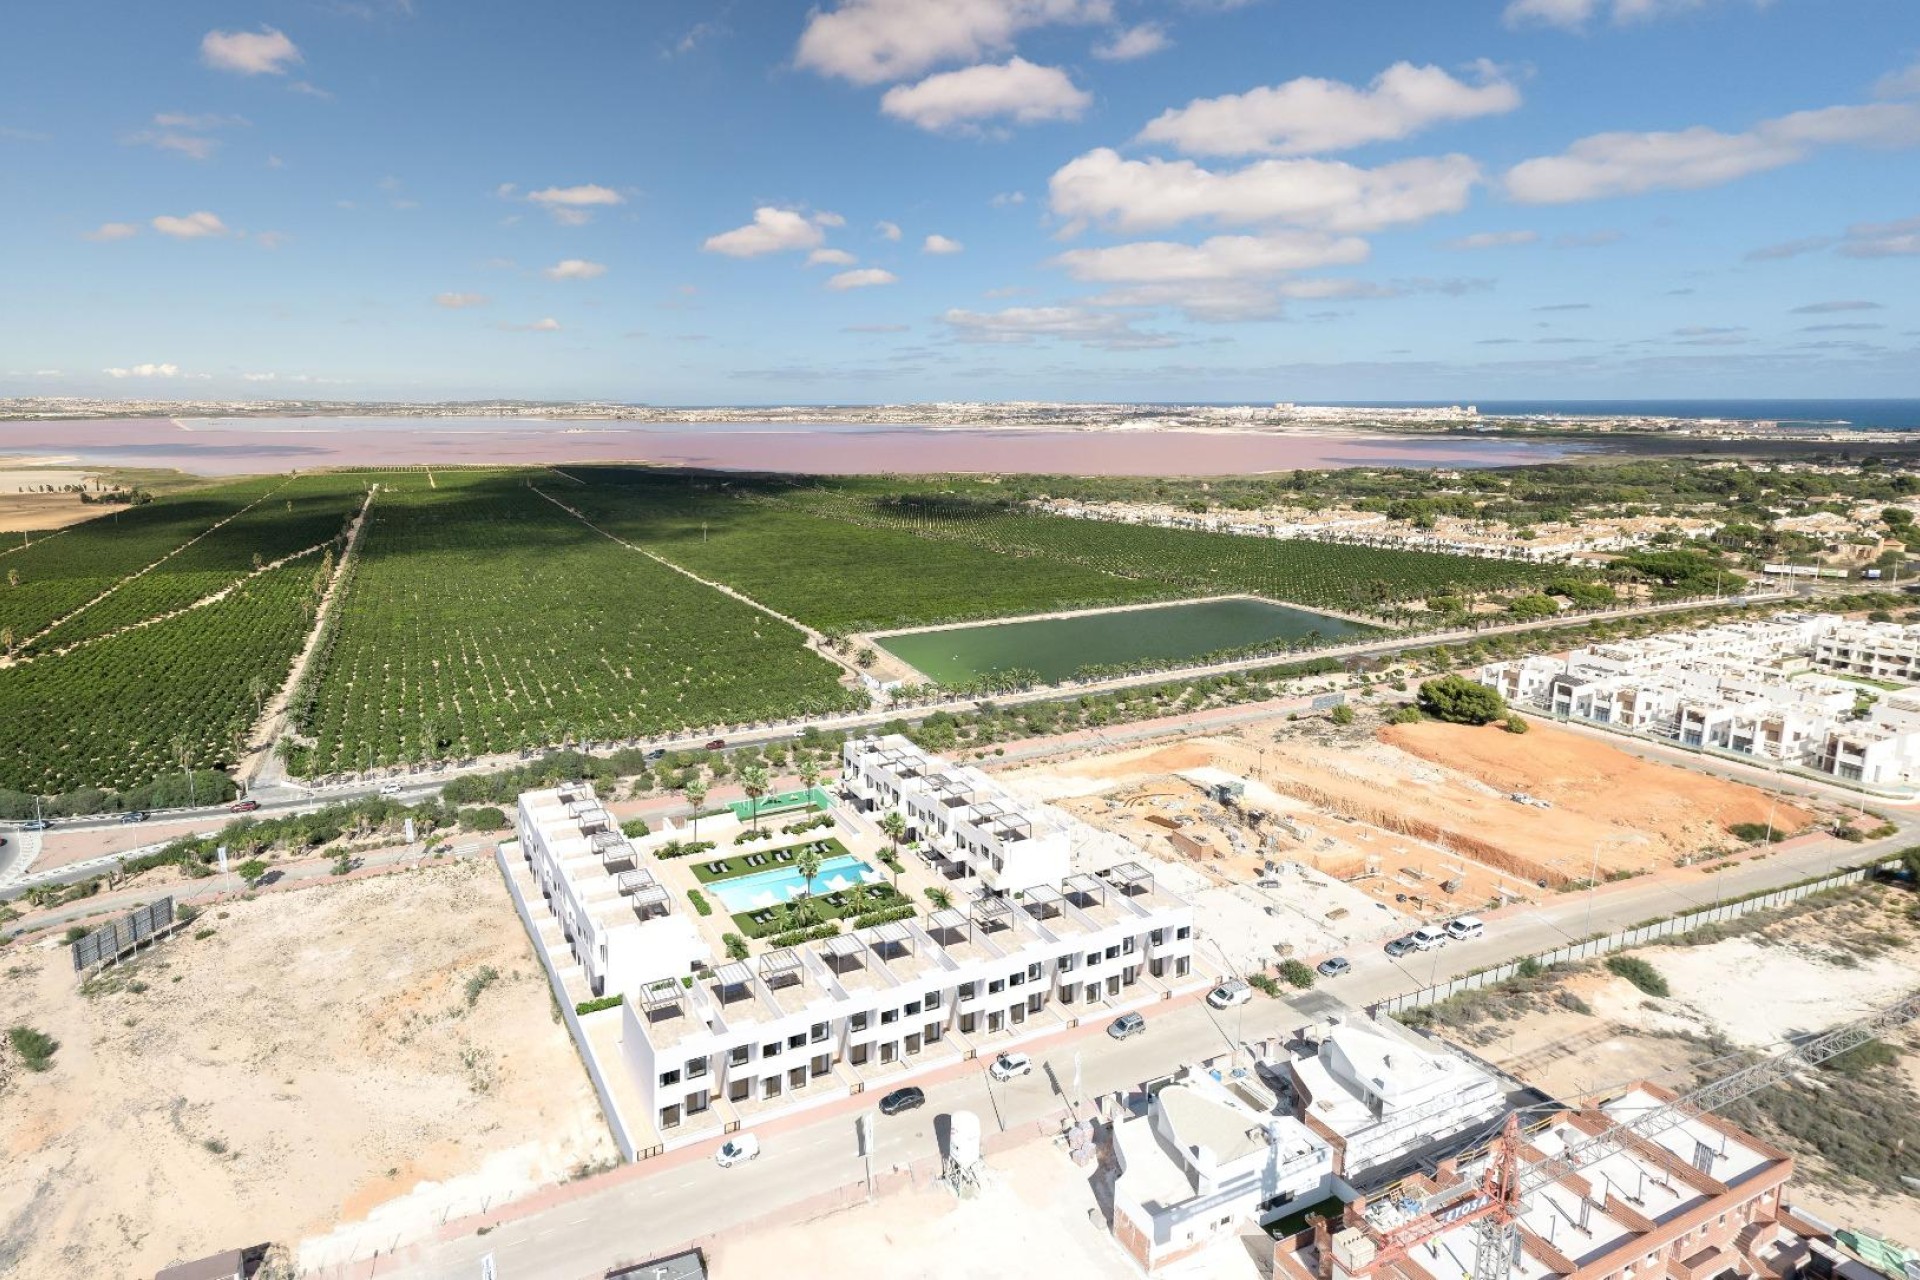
(288, 1063)
(1399, 808)
(1736, 989)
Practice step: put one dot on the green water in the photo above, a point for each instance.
(1058, 647)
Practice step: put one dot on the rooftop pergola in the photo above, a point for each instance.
(990, 913)
(612, 847)
(951, 789)
(1003, 819)
(890, 940)
(661, 996)
(1085, 890)
(782, 967)
(733, 980)
(628, 883)
(946, 920)
(1130, 877)
(650, 900)
(1043, 901)
(841, 950)
(574, 792)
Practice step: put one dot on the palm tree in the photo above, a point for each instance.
(755, 782)
(894, 827)
(859, 900)
(695, 790)
(807, 863)
(809, 774)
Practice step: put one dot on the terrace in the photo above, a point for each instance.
(668, 1012)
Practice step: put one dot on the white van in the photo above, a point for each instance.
(1465, 929)
(1427, 936)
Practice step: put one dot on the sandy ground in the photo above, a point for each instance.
(313, 1057)
(1420, 818)
(20, 510)
(1033, 1215)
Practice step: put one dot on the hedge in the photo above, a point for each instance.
(586, 1007)
(699, 901)
(884, 915)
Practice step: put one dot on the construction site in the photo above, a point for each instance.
(1426, 819)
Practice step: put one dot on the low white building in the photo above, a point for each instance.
(973, 826)
(1380, 1097)
(888, 1000)
(618, 921)
(1209, 1155)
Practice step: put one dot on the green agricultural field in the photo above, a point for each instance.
(481, 617)
(833, 574)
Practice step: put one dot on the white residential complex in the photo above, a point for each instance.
(1803, 689)
(974, 826)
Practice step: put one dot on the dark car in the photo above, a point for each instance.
(902, 1100)
(1401, 946)
(1333, 966)
(134, 815)
(243, 806)
(658, 753)
(718, 744)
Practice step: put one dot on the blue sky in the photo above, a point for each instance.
(678, 202)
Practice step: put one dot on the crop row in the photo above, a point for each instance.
(302, 514)
(482, 618)
(44, 582)
(135, 706)
(835, 574)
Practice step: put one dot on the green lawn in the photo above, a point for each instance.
(736, 864)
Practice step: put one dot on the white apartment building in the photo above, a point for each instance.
(900, 997)
(1876, 650)
(1378, 1096)
(970, 824)
(1208, 1155)
(618, 921)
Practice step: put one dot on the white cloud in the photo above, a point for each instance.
(259, 377)
(939, 244)
(1310, 115)
(1830, 308)
(575, 269)
(1006, 199)
(827, 218)
(1216, 258)
(194, 226)
(1135, 42)
(875, 41)
(831, 258)
(1882, 239)
(1017, 90)
(1135, 195)
(862, 278)
(206, 122)
(146, 371)
(113, 231)
(570, 206)
(1021, 325)
(887, 230)
(1492, 240)
(251, 53)
(1618, 164)
(1899, 84)
(1574, 15)
(194, 145)
(461, 301)
(772, 230)
(545, 325)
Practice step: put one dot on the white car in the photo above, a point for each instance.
(1229, 993)
(738, 1149)
(1466, 928)
(1009, 1066)
(389, 788)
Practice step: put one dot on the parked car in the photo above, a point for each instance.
(1332, 967)
(243, 806)
(389, 788)
(658, 753)
(1010, 1065)
(1229, 993)
(1266, 884)
(34, 824)
(134, 815)
(1466, 928)
(1427, 937)
(718, 744)
(1401, 946)
(1127, 1024)
(738, 1149)
(903, 1100)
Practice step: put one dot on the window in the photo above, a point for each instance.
(696, 1069)
(1093, 957)
(1153, 939)
(1127, 945)
(995, 987)
(1067, 963)
(932, 1032)
(968, 990)
(933, 1000)
(819, 1032)
(1113, 953)
(797, 1040)
(912, 1008)
(889, 1016)
(1185, 931)
(1015, 979)
(858, 1022)
(770, 1050)
(669, 1078)
(1033, 972)
(738, 1055)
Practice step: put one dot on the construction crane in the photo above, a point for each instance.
(1495, 1203)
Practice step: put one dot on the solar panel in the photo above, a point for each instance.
(114, 940)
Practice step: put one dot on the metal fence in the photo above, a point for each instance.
(1622, 940)
(587, 1057)
(112, 941)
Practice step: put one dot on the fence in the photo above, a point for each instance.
(1638, 935)
(588, 1058)
(110, 942)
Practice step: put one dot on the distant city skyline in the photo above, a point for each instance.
(903, 200)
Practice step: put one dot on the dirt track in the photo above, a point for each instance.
(316, 1055)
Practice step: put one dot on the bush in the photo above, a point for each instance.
(633, 828)
(586, 1007)
(1640, 974)
(36, 1048)
(1515, 724)
(1341, 714)
(883, 916)
(1533, 607)
(1407, 714)
(699, 901)
(736, 945)
(1756, 832)
(483, 818)
(794, 937)
(1264, 982)
(1458, 700)
(1296, 974)
(479, 982)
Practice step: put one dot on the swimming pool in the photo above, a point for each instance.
(784, 884)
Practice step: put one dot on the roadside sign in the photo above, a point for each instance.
(863, 1132)
(223, 859)
(409, 830)
(487, 1271)
(1326, 701)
